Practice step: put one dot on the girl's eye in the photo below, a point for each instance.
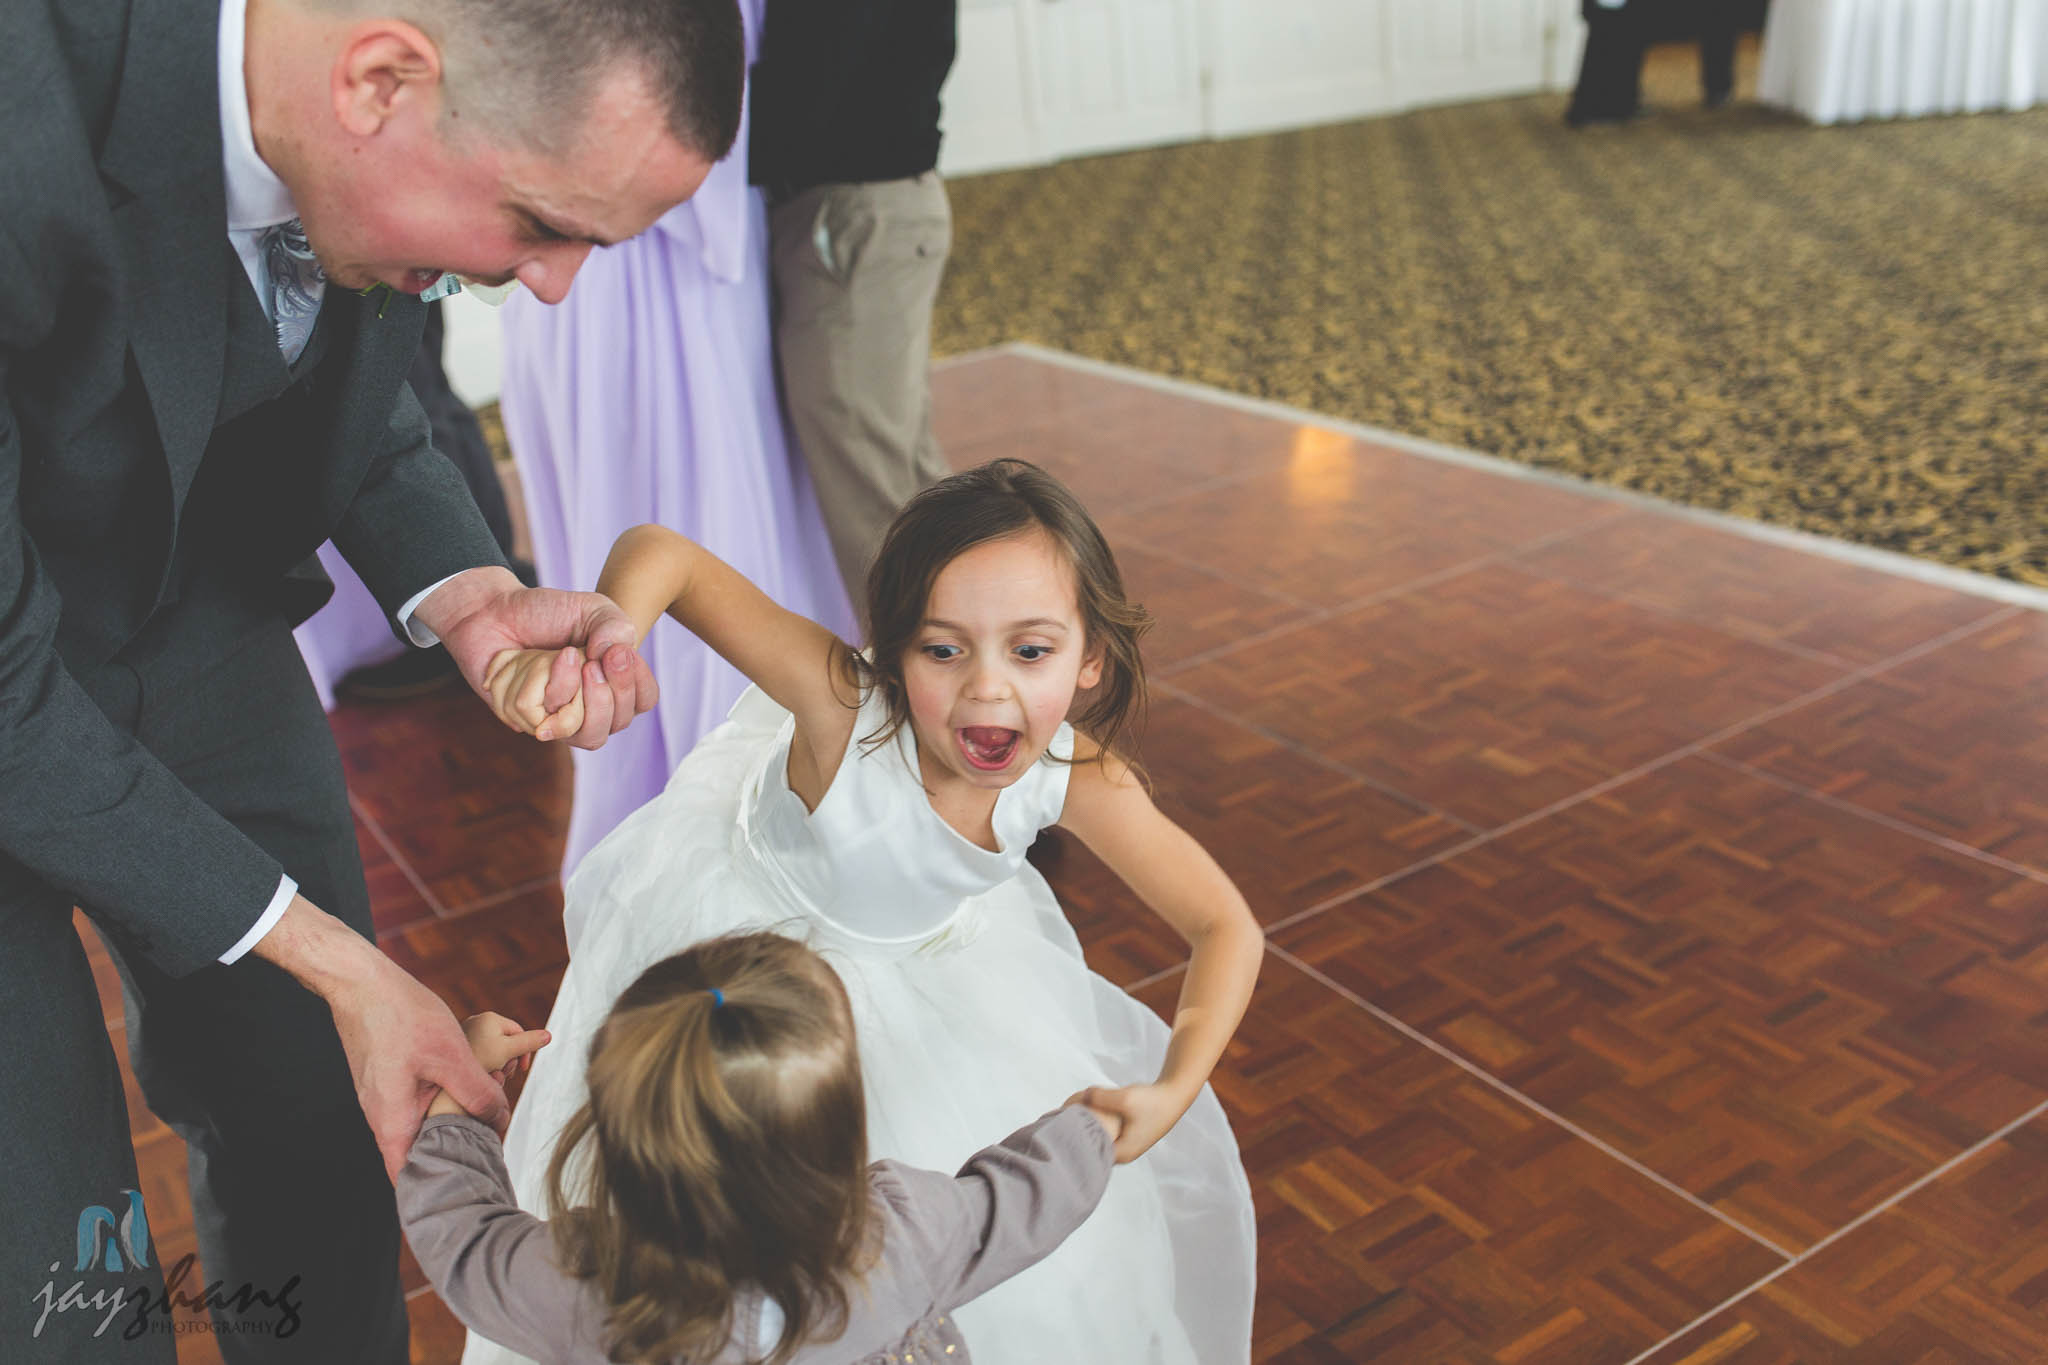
(941, 652)
(1031, 654)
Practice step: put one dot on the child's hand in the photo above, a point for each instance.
(518, 681)
(502, 1048)
(1137, 1115)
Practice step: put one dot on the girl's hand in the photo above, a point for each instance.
(502, 1047)
(1144, 1114)
(517, 683)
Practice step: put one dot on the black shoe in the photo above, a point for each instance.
(412, 674)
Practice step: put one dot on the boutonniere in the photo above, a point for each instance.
(448, 285)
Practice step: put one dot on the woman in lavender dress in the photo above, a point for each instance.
(649, 395)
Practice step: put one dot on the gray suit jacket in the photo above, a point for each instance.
(158, 459)
(945, 1240)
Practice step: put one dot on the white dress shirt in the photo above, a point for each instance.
(257, 201)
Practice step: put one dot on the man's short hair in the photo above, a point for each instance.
(527, 70)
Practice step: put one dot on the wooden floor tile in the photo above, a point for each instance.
(395, 901)
(1099, 474)
(1787, 1010)
(1749, 587)
(1196, 609)
(437, 1336)
(1779, 1006)
(1955, 741)
(1957, 1272)
(1408, 1212)
(1291, 834)
(105, 976)
(1494, 694)
(1343, 520)
(499, 802)
(988, 395)
(506, 958)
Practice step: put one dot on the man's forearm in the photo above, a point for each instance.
(321, 953)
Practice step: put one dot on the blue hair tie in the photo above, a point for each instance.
(717, 997)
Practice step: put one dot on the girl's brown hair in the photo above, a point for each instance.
(991, 502)
(728, 1149)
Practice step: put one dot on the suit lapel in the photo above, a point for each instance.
(164, 148)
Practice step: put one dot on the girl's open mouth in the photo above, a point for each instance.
(988, 747)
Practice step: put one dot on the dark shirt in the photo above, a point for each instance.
(847, 91)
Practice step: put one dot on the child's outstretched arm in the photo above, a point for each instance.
(796, 661)
(492, 1262)
(1109, 810)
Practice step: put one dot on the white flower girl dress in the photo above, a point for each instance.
(974, 1012)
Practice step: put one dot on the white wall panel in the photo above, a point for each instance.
(988, 96)
(1286, 63)
(1041, 79)
(1119, 73)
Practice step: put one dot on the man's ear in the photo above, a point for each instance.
(385, 68)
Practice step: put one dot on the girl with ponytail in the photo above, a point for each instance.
(713, 1201)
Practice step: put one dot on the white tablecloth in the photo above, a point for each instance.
(1839, 60)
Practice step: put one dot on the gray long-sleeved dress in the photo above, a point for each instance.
(945, 1239)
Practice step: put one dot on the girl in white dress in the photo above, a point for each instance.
(880, 806)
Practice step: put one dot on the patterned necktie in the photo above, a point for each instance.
(296, 285)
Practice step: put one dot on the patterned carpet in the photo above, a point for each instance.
(1843, 330)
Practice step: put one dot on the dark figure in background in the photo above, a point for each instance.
(845, 142)
(1610, 88)
(1619, 32)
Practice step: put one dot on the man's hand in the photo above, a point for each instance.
(484, 612)
(402, 1043)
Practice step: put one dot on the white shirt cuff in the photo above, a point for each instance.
(414, 631)
(286, 889)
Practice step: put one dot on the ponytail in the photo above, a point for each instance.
(723, 1146)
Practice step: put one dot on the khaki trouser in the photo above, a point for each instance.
(857, 269)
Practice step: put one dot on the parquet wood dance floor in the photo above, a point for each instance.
(1659, 916)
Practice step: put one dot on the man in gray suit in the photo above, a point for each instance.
(215, 218)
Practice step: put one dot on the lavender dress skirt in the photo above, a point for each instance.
(648, 395)
(350, 632)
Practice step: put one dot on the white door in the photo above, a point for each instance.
(1287, 63)
(1448, 50)
(985, 109)
(1115, 73)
